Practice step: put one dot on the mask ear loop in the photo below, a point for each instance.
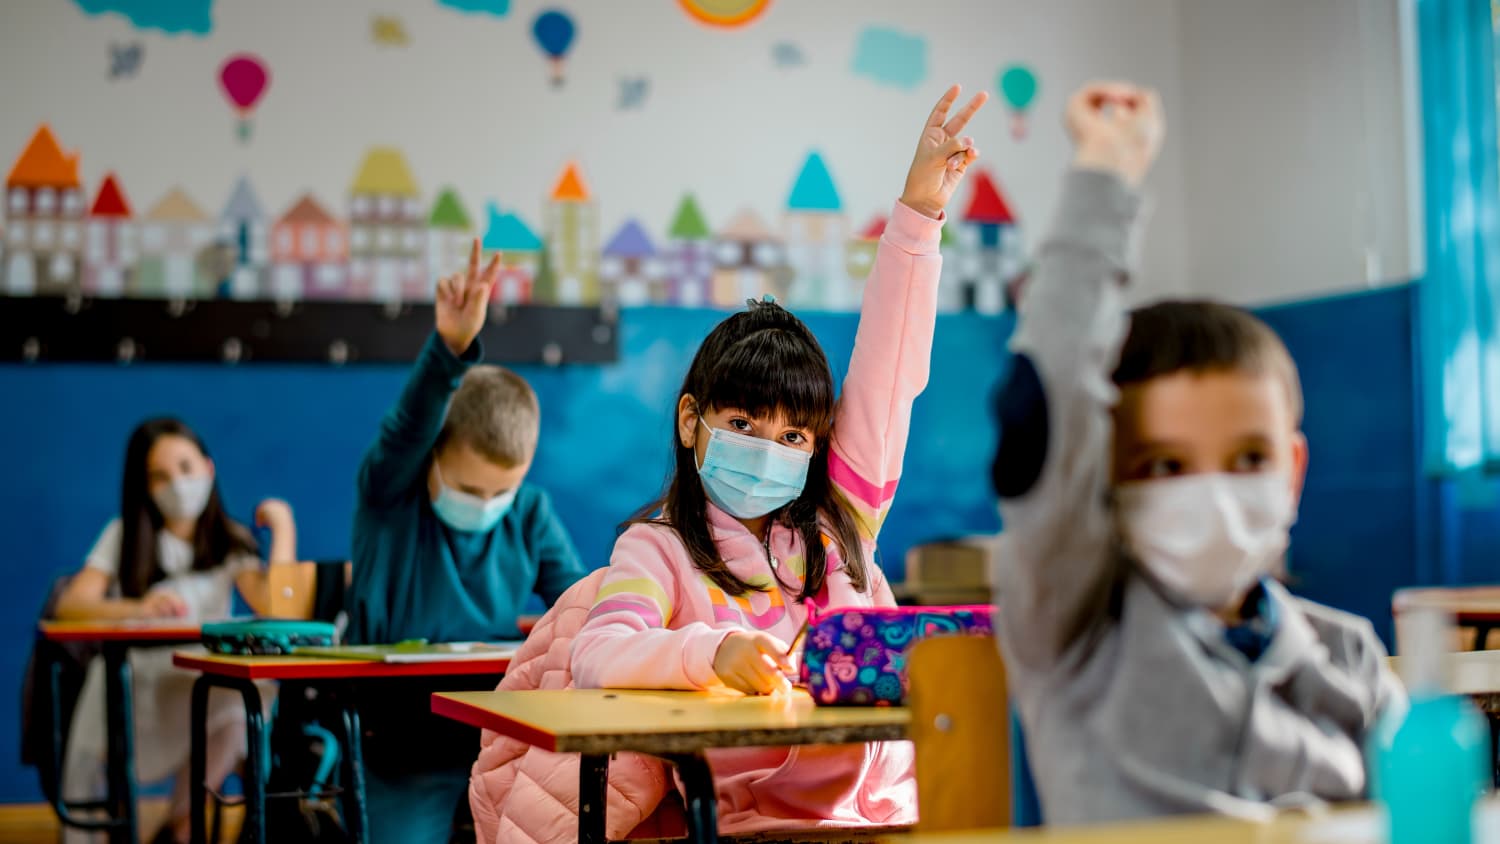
(704, 422)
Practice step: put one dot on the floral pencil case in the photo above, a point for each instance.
(857, 657)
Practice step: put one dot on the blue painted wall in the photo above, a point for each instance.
(298, 433)
(1369, 522)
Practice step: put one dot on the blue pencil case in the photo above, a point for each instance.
(266, 636)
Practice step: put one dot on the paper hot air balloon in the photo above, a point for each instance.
(1018, 85)
(244, 78)
(554, 31)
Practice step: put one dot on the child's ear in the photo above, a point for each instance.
(1299, 465)
(687, 421)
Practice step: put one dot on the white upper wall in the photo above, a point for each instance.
(1284, 173)
(469, 102)
(1296, 132)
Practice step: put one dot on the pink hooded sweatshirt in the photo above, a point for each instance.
(657, 622)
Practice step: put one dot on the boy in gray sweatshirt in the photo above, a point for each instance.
(1148, 469)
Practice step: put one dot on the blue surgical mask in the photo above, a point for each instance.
(748, 477)
(469, 513)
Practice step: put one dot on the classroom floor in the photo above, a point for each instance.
(34, 823)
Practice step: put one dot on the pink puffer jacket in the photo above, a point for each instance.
(524, 794)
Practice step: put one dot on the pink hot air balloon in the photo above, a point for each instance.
(244, 78)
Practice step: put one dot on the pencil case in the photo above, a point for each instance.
(266, 636)
(857, 657)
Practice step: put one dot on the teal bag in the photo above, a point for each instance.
(266, 636)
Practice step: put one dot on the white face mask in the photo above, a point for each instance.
(184, 497)
(1207, 538)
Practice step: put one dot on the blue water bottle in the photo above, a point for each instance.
(1430, 762)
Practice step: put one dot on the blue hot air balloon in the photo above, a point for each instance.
(554, 31)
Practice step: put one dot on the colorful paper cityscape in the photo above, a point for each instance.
(392, 245)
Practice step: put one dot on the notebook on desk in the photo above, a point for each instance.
(416, 652)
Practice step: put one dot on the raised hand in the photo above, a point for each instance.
(1117, 127)
(462, 301)
(942, 156)
(274, 514)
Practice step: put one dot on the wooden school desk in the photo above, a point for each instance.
(1476, 607)
(115, 638)
(239, 673)
(675, 726)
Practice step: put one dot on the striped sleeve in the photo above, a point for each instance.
(888, 368)
(630, 640)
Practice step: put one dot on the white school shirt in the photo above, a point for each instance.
(207, 593)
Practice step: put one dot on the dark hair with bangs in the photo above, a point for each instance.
(762, 361)
(1202, 336)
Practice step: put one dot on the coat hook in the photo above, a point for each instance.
(233, 350)
(125, 350)
(552, 354)
(31, 349)
(338, 353)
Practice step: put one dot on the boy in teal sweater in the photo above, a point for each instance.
(449, 542)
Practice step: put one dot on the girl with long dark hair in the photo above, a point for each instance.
(173, 552)
(774, 502)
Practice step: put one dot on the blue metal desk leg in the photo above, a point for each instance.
(356, 818)
(198, 761)
(702, 805)
(121, 724)
(255, 762)
(593, 794)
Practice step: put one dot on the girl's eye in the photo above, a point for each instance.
(738, 424)
(794, 438)
(1250, 461)
(1162, 467)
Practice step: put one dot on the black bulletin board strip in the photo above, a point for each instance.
(58, 329)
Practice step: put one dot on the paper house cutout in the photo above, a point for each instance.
(449, 234)
(309, 253)
(749, 262)
(387, 231)
(988, 253)
(44, 210)
(172, 234)
(245, 232)
(689, 257)
(520, 256)
(630, 273)
(816, 234)
(111, 250)
(569, 273)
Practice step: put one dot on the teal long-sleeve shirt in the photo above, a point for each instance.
(415, 577)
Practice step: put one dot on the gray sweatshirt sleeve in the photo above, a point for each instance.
(1057, 572)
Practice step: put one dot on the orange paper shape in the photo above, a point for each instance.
(570, 186)
(44, 164)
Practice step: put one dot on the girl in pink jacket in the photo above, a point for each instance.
(773, 508)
